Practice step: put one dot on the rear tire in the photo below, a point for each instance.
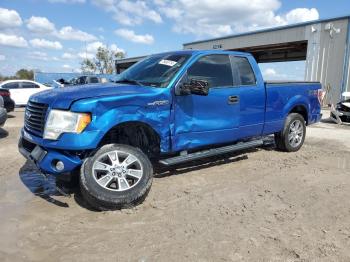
(115, 177)
(292, 137)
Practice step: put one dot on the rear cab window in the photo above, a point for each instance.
(243, 70)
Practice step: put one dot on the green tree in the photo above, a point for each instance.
(103, 62)
(25, 74)
(88, 66)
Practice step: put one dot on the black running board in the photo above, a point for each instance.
(211, 152)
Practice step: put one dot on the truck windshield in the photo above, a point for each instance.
(157, 70)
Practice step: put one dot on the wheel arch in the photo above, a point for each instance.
(134, 133)
(298, 104)
(302, 110)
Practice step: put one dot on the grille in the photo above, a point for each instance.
(34, 120)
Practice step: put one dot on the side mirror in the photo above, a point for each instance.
(196, 87)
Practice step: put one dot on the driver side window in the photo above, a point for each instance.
(215, 69)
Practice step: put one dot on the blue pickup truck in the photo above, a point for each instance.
(167, 109)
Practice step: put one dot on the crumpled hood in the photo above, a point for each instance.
(63, 97)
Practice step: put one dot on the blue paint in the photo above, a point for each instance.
(181, 121)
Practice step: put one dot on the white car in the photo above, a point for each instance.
(21, 90)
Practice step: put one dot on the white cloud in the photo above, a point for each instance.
(90, 50)
(66, 66)
(92, 47)
(68, 56)
(12, 40)
(40, 25)
(85, 55)
(129, 12)
(37, 55)
(42, 56)
(301, 15)
(68, 1)
(9, 18)
(133, 37)
(69, 33)
(221, 17)
(2, 57)
(116, 49)
(43, 43)
(171, 12)
(269, 72)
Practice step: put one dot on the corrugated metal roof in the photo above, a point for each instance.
(271, 29)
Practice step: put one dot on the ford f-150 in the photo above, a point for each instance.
(168, 108)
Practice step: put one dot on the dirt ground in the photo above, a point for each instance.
(259, 205)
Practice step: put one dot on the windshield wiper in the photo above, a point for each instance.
(130, 81)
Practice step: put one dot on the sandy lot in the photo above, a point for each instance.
(260, 205)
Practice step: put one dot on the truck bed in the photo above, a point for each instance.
(282, 95)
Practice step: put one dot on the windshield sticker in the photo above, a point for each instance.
(167, 62)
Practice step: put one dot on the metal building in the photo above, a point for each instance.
(323, 44)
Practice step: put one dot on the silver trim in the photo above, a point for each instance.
(113, 174)
(296, 133)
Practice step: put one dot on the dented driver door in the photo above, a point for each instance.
(212, 119)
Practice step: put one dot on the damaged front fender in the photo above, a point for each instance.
(153, 111)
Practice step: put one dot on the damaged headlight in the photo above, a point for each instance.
(60, 121)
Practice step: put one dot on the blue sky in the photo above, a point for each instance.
(55, 35)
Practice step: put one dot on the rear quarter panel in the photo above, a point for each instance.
(281, 98)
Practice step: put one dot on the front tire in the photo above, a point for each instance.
(292, 137)
(115, 177)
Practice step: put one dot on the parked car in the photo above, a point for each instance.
(21, 90)
(83, 80)
(340, 113)
(9, 104)
(167, 109)
(3, 113)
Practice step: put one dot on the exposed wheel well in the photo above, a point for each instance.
(302, 111)
(136, 134)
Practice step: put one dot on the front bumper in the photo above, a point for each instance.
(46, 158)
